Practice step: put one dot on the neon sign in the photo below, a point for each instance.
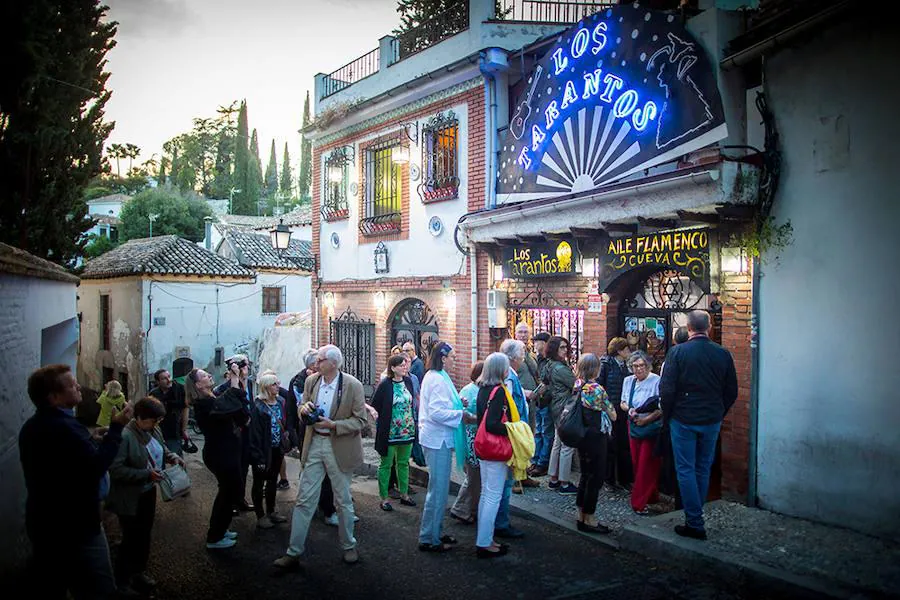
(622, 90)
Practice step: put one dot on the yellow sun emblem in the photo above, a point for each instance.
(564, 257)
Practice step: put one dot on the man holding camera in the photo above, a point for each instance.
(335, 414)
(241, 363)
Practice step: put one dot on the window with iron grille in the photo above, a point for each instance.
(381, 209)
(273, 300)
(104, 322)
(440, 164)
(335, 206)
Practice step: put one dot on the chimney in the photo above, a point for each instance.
(208, 234)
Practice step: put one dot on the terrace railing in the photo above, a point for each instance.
(428, 33)
(353, 71)
(547, 11)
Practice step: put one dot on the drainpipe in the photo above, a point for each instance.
(490, 130)
(752, 487)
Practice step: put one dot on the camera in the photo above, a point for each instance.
(314, 417)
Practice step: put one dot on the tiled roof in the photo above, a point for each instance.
(302, 215)
(254, 250)
(14, 261)
(162, 255)
(106, 219)
(110, 198)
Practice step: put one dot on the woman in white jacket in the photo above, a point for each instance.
(441, 417)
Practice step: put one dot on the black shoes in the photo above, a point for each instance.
(485, 553)
(598, 528)
(690, 532)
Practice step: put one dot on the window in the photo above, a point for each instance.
(273, 300)
(383, 190)
(334, 205)
(440, 165)
(104, 322)
(114, 235)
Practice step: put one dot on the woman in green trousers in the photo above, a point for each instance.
(396, 428)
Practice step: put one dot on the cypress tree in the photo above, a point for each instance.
(304, 178)
(287, 188)
(272, 174)
(52, 127)
(241, 205)
(254, 187)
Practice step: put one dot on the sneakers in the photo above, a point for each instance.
(568, 490)
(287, 562)
(284, 484)
(351, 556)
(554, 485)
(332, 520)
(276, 518)
(225, 542)
(231, 535)
(265, 522)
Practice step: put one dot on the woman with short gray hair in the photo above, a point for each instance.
(493, 404)
(640, 399)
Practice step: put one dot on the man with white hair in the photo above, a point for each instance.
(515, 352)
(335, 414)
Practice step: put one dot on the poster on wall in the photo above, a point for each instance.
(542, 259)
(686, 251)
(621, 91)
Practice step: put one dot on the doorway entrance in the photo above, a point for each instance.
(414, 322)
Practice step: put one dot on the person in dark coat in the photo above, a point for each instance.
(698, 387)
(174, 425)
(63, 468)
(417, 365)
(395, 432)
(243, 365)
(613, 371)
(221, 419)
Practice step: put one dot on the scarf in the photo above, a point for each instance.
(459, 436)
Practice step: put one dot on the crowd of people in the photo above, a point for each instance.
(524, 406)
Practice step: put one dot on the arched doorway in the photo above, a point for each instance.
(413, 321)
(655, 305)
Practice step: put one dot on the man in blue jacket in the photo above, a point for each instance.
(698, 387)
(63, 468)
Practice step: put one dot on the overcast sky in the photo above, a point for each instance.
(179, 59)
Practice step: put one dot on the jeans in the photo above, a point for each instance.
(494, 476)
(694, 447)
(439, 464)
(82, 568)
(543, 437)
(135, 548)
(396, 454)
(320, 460)
(502, 521)
(265, 483)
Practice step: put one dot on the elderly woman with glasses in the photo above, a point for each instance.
(640, 399)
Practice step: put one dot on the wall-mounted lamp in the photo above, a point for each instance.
(400, 154)
(498, 272)
(733, 260)
(335, 174)
(328, 301)
(411, 131)
(450, 300)
(380, 301)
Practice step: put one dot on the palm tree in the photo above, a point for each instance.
(116, 151)
(131, 152)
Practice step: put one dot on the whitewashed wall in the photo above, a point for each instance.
(420, 255)
(37, 319)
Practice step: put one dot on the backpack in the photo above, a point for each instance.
(570, 425)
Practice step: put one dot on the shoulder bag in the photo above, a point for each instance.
(570, 426)
(175, 481)
(490, 446)
(641, 432)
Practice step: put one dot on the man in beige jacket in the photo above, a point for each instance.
(334, 414)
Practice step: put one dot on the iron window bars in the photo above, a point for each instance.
(335, 206)
(382, 205)
(440, 162)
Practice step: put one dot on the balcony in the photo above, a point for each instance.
(547, 11)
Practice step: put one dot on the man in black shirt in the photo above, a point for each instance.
(171, 394)
(63, 468)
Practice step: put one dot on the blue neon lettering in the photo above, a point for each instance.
(570, 95)
(612, 83)
(560, 61)
(551, 114)
(524, 159)
(625, 104)
(591, 84)
(599, 38)
(537, 136)
(642, 117)
(580, 42)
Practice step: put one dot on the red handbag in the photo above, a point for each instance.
(490, 446)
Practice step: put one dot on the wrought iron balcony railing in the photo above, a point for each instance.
(548, 11)
(353, 71)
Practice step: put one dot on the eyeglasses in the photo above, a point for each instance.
(320, 360)
(639, 365)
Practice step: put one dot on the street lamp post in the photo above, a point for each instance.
(152, 218)
(281, 236)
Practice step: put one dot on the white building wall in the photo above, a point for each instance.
(204, 316)
(829, 447)
(422, 254)
(37, 319)
(108, 209)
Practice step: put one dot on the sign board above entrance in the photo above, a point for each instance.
(543, 259)
(623, 90)
(686, 251)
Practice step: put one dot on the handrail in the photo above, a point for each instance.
(547, 11)
(353, 71)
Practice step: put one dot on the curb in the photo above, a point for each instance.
(655, 539)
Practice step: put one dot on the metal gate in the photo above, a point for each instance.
(356, 339)
(414, 322)
(542, 312)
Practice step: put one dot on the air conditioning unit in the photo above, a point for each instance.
(496, 309)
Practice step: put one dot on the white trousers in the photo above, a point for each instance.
(560, 460)
(493, 480)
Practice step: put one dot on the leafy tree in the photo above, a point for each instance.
(223, 176)
(271, 181)
(104, 185)
(52, 128)
(425, 22)
(304, 178)
(97, 245)
(254, 173)
(179, 214)
(241, 203)
(287, 187)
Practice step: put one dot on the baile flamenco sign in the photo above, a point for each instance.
(623, 90)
